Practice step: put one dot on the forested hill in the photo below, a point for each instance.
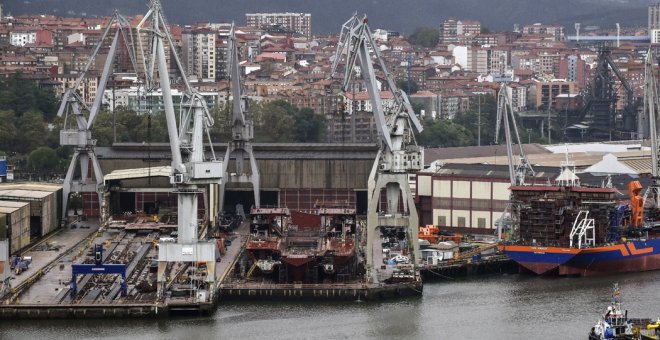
(401, 15)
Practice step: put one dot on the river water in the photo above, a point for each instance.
(493, 307)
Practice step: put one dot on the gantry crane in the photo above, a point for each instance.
(518, 171)
(77, 130)
(190, 169)
(398, 154)
(242, 132)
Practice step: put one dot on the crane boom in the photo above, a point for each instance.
(650, 108)
(517, 172)
(78, 133)
(398, 155)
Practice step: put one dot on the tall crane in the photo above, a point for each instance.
(518, 171)
(77, 130)
(190, 169)
(650, 107)
(242, 132)
(398, 154)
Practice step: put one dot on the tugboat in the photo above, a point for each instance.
(615, 324)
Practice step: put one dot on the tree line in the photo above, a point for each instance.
(29, 132)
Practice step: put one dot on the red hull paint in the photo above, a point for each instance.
(297, 260)
(539, 268)
(636, 264)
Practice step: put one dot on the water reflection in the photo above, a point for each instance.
(498, 307)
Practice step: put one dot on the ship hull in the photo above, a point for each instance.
(539, 260)
(634, 256)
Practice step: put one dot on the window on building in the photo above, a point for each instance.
(442, 221)
(461, 222)
(481, 222)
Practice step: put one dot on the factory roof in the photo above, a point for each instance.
(13, 204)
(156, 171)
(19, 193)
(49, 187)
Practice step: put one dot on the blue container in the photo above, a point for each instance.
(3, 167)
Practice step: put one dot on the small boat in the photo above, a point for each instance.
(615, 324)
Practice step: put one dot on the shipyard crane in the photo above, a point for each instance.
(398, 154)
(77, 131)
(517, 171)
(190, 169)
(242, 132)
(650, 108)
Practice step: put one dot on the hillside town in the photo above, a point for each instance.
(549, 68)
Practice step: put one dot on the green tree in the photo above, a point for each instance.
(221, 129)
(21, 95)
(32, 129)
(8, 131)
(409, 87)
(444, 133)
(43, 160)
(309, 127)
(274, 121)
(424, 36)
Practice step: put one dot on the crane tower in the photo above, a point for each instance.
(77, 131)
(242, 132)
(398, 156)
(190, 169)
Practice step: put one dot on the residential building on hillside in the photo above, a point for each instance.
(198, 50)
(296, 22)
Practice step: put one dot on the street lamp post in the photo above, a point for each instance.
(529, 137)
(479, 121)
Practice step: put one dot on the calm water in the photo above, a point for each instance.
(499, 307)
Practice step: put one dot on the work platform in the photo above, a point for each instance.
(44, 290)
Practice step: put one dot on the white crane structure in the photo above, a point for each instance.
(242, 132)
(77, 130)
(190, 169)
(518, 171)
(398, 155)
(651, 107)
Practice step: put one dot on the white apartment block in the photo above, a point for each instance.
(297, 22)
(199, 54)
(22, 38)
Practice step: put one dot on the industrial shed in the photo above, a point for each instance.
(15, 224)
(45, 201)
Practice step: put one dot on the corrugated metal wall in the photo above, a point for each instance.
(306, 199)
(18, 223)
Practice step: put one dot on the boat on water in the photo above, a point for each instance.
(565, 228)
(615, 324)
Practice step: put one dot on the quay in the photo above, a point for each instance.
(43, 291)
